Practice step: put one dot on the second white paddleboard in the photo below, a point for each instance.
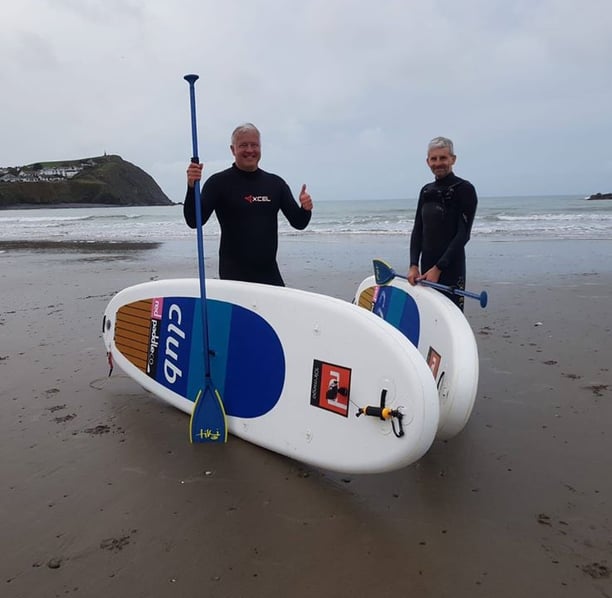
(443, 336)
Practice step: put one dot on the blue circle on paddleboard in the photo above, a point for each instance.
(399, 309)
(248, 362)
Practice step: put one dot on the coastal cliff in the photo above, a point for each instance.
(104, 180)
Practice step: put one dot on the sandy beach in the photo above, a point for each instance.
(102, 494)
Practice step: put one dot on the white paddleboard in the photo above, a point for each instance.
(293, 369)
(443, 336)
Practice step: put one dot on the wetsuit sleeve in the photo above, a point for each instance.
(416, 238)
(208, 205)
(466, 216)
(295, 214)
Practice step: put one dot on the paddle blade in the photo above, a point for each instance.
(208, 422)
(191, 78)
(383, 272)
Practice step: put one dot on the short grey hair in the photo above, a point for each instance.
(441, 143)
(244, 128)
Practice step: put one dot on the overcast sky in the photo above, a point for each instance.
(346, 93)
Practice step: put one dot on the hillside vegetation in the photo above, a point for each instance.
(104, 180)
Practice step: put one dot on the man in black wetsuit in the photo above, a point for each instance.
(246, 201)
(443, 222)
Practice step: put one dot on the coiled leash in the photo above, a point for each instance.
(385, 413)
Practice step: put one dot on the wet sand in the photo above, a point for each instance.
(104, 496)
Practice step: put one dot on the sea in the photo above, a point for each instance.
(498, 219)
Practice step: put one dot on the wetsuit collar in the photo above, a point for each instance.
(449, 179)
(249, 173)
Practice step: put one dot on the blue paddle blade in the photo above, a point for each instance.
(208, 422)
(383, 273)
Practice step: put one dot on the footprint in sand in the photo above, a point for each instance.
(598, 389)
(64, 419)
(597, 570)
(117, 544)
(571, 376)
(99, 429)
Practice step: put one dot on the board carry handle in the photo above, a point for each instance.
(384, 274)
(384, 413)
(208, 420)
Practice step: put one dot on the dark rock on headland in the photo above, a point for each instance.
(600, 196)
(105, 180)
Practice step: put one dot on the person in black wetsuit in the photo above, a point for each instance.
(443, 223)
(246, 201)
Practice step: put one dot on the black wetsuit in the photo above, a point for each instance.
(442, 225)
(247, 205)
